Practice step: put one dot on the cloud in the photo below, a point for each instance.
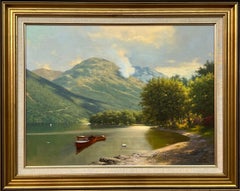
(185, 69)
(123, 62)
(53, 53)
(141, 45)
(171, 61)
(45, 66)
(156, 36)
(75, 61)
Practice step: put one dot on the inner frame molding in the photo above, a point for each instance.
(217, 22)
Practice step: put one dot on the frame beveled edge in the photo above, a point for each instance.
(10, 178)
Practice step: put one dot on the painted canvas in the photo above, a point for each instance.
(119, 95)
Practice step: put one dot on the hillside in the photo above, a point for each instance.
(47, 74)
(99, 79)
(50, 103)
(146, 73)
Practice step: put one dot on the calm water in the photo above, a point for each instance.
(57, 148)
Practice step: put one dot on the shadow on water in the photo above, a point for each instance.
(157, 138)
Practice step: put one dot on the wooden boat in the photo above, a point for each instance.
(83, 142)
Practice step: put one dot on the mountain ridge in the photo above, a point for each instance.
(101, 80)
(50, 103)
(146, 73)
(91, 86)
(47, 73)
(143, 74)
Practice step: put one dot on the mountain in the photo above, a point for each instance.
(100, 80)
(51, 103)
(146, 73)
(47, 74)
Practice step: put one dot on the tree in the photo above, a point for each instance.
(163, 101)
(127, 118)
(109, 117)
(202, 95)
(181, 79)
(206, 69)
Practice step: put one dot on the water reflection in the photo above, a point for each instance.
(59, 148)
(159, 138)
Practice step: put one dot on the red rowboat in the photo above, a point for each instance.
(83, 142)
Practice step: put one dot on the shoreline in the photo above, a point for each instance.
(196, 151)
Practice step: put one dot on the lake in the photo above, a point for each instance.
(58, 148)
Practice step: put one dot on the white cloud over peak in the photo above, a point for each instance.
(173, 49)
(126, 68)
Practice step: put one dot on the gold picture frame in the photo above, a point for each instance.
(224, 174)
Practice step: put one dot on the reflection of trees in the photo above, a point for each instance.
(158, 139)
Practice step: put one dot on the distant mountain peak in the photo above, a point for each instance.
(94, 61)
(90, 67)
(100, 79)
(146, 73)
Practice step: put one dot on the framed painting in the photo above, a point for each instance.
(119, 95)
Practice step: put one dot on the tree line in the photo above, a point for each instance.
(126, 117)
(170, 102)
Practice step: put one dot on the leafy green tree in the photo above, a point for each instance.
(206, 69)
(110, 117)
(127, 118)
(163, 101)
(202, 95)
(138, 117)
(181, 79)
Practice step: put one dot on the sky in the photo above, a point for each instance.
(167, 48)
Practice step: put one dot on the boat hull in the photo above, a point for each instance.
(90, 140)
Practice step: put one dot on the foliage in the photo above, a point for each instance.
(206, 69)
(163, 101)
(181, 79)
(202, 95)
(110, 117)
(204, 131)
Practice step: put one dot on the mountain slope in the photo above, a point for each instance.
(99, 79)
(47, 74)
(50, 103)
(145, 73)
